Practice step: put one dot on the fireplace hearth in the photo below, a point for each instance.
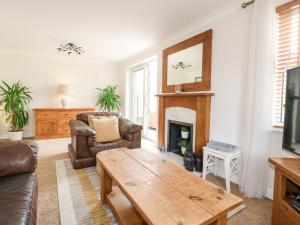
(174, 135)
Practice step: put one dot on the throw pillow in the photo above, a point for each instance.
(107, 128)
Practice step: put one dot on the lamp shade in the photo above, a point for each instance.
(63, 89)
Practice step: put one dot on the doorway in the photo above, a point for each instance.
(143, 103)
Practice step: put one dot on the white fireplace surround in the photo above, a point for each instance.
(180, 114)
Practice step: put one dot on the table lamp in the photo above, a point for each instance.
(64, 90)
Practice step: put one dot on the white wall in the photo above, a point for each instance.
(44, 74)
(229, 69)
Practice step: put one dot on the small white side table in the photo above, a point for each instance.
(232, 163)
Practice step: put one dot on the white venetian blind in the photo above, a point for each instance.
(287, 54)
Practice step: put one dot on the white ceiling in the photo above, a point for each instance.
(109, 30)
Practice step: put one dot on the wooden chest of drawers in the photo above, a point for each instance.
(54, 122)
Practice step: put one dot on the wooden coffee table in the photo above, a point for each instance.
(151, 190)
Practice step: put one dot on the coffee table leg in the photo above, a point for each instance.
(106, 184)
(222, 220)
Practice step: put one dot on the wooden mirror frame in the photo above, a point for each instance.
(206, 39)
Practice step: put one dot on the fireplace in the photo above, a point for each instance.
(174, 135)
(191, 108)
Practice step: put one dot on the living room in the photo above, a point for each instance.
(109, 108)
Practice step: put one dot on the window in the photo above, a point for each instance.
(287, 54)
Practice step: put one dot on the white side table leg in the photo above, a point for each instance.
(205, 158)
(215, 166)
(227, 173)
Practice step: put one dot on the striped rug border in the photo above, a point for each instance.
(79, 196)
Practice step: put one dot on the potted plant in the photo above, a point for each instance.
(15, 100)
(108, 99)
(184, 132)
(183, 143)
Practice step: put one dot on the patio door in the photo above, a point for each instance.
(143, 104)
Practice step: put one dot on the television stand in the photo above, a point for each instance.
(286, 189)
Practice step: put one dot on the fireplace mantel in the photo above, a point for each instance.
(185, 94)
(197, 101)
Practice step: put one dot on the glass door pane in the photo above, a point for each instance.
(137, 105)
(143, 106)
(152, 101)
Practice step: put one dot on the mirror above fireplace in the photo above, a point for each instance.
(188, 64)
(185, 66)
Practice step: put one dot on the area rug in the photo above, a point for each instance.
(79, 197)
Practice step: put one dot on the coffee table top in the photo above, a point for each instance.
(162, 192)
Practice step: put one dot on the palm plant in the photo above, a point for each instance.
(15, 100)
(108, 99)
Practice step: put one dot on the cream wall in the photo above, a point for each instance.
(229, 67)
(230, 26)
(43, 75)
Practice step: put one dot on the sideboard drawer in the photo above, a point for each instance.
(46, 115)
(67, 115)
(63, 130)
(63, 123)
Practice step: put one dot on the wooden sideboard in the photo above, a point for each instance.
(54, 122)
(286, 169)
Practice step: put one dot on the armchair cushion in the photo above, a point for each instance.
(84, 116)
(17, 157)
(107, 128)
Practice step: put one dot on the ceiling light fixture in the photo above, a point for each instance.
(180, 65)
(70, 48)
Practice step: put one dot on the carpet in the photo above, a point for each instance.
(79, 197)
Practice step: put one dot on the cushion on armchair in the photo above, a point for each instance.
(107, 128)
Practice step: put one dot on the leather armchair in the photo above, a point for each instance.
(18, 182)
(83, 147)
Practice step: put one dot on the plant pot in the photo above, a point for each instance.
(185, 134)
(16, 135)
(183, 150)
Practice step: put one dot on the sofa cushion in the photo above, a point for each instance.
(107, 128)
(90, 120)
(18, 199)
(17, 157)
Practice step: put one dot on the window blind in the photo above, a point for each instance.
(287, 54)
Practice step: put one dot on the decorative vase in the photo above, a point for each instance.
(185, 134)
(178, 88)
(199, 162)
(64, 101)
(16, 135)
(189, 161)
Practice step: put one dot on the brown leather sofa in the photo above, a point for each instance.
(18, 182)
(83, 147)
